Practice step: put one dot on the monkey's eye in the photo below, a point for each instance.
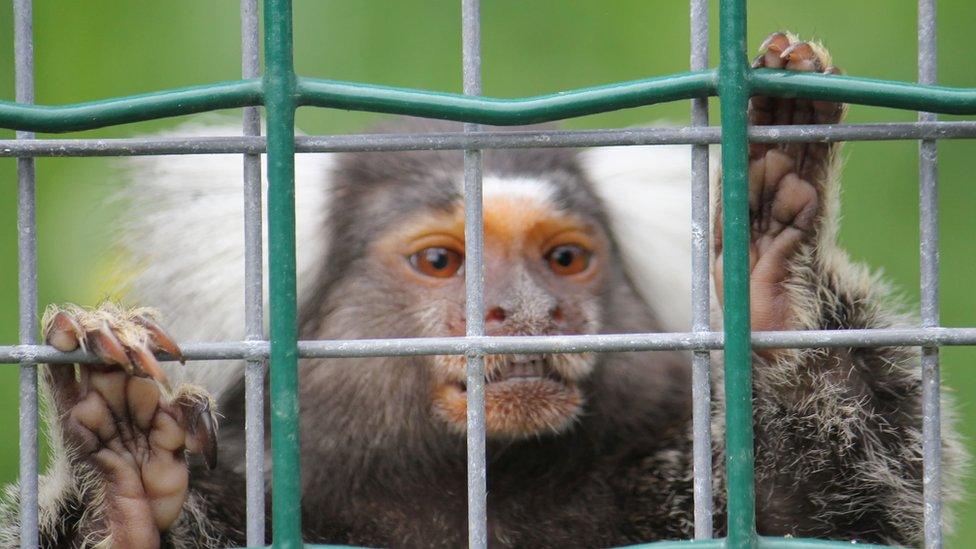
(437, 262)
(568, 259)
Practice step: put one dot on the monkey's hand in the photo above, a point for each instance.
(837, 431)
(788, 185)
(123, 428)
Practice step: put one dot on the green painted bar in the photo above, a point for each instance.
(485, 110)
(803, 543)
(733, 90)
(763, 543)
(864, 91)
(505, 112)
(681, 544)
(135, 108)
(279, 85)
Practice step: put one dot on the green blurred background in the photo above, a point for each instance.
(99, 48)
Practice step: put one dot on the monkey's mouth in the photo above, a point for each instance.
(524, 396)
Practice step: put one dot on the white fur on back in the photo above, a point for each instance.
(647, 191)
(184, 240)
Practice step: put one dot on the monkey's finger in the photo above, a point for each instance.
(142, 398)
(159, 337)
(63, 332)
(62, 379)
(828, 112)
(763, 109)
(771, 50)
(803, 57)
(197, 413)
(204, 436)
(145, 361)
(104, 343)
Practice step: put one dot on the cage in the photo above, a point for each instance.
(280, 91)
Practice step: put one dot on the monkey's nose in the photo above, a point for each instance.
(500, 314)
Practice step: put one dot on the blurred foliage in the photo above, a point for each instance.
(104, 48)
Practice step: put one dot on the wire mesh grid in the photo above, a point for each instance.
(280, 92)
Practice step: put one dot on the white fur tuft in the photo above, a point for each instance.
(532, 189)
(647, 191)
(183, 242)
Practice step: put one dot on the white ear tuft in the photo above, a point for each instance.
(647, 191)
(183, 241)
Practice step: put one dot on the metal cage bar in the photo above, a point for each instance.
(490, 139)
(734, 89)
(701, 383)
(253, 289)
(474, 288)
(598, 343)
(279, 92)
(929, 259)
(27, 278)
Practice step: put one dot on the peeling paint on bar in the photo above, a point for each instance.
(701, 384)
(254, 370)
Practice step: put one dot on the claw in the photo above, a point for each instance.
(160, 338)
(144, 358)
(802, 57)
(108, 347)
(201, 425)
(63, 333)
(775, 42)
(206, 429)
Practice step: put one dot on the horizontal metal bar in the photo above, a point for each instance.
(864, 91)
(486, 139)
(134, 108)
(601, 343)
(482, 110)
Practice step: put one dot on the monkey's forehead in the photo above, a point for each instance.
(373, 192)
(437, 177)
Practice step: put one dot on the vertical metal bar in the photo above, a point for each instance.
(733, 90)
(279, 89)
(27, 278)
(701, 390)
(474, 287)
(253, 291)
(929, 258)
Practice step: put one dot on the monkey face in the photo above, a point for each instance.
(544, 274)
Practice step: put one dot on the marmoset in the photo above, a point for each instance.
(584, 450)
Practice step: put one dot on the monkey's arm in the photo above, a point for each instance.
(837, 431)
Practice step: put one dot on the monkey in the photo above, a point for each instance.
(584, 449)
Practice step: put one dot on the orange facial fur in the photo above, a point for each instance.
(513, 409)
